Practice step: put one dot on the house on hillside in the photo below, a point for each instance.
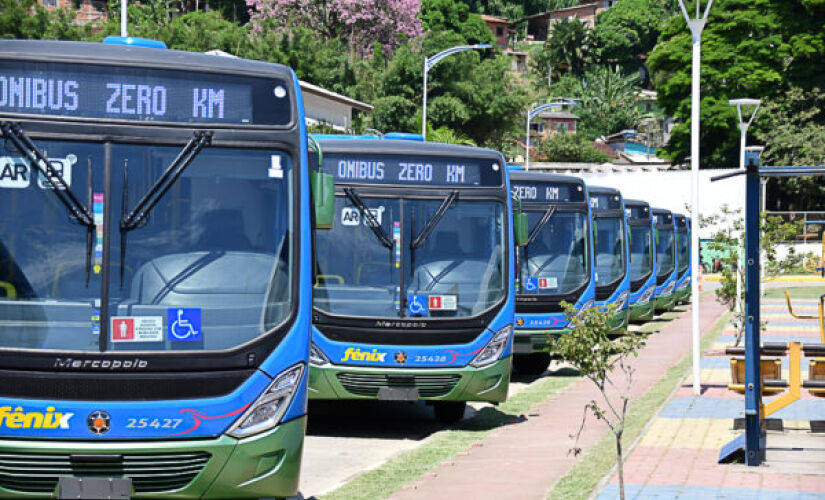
(551, 122)
(86, 11)
(539, 25)
(500, 27)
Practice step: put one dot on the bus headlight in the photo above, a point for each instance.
(646, 296)
(492, 351)
(316, 356)
(587, 305)
(266, 412)
(621, 301)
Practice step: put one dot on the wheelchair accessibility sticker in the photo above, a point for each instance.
(531, 285)
(185, 324)
(417, 305)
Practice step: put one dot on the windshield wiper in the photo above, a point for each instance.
(137, 217)
(41, 164)
(434, 220)
(542, 222)
(372, 222)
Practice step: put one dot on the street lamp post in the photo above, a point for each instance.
(429, 62)
(530, 115)
(123, 12)
(696, 26)
(743, 134)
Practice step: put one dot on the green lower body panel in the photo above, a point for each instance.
(530, 341)
(264, 465)
(664, 303)
(434, 384)
(639, 313)
(682, 295)
(618, 323)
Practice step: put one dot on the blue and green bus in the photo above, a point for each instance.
(155, 273)
(555, 265)
(642, 260)
(611, 256)
(413, 294)
(682, 290)
(666, 260)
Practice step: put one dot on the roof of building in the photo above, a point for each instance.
(494, 19)
(558, 114)
(549, 12)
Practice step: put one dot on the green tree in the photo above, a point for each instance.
(605, 362)
(752, 48)
(27, 20)
(562, 147)
(455, 16)
(628, 31)
(568, 46)
(607, 101)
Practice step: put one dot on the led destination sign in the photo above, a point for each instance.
(547, 192)
(412, 170)
(637, 212)
(605, 201)
(119, 93)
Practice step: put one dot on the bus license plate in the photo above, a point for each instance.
(94, 488)
(398, 394)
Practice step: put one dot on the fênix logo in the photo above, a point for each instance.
(21, 419)
(356, 354)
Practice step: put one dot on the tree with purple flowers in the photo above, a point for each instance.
(360, 22)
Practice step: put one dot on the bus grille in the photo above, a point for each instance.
(150, 473)
(368, 384)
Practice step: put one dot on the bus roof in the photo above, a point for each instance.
(636, 203)
(603, 190)
(400, 147)
(662, 211)
(124, 55)
(521, 175)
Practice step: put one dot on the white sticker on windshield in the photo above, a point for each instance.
(137, 329)
(545, 283)
(275, 170)
(61, 167)
(350, 216)
(14, 173)
(443, 302)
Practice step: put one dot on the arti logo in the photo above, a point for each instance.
(123, 329)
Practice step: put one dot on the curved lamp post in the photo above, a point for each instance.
(429, 62)
(530, 115)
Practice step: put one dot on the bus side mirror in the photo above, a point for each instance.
(595, 233)
(656, 231)
(520, 233)
(629, 233)
(322, 186)
(520, 224)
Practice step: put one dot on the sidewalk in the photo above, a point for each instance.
(677, 456)
(524, 461)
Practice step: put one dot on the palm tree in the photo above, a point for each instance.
(568, 45)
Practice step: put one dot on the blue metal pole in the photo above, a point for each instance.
(754, 435)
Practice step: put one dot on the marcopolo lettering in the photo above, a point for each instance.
(18, 418)
(356, 354)
(101, 364)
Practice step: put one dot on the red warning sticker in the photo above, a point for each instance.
(443, 302)
(545, 283)
(137, 329)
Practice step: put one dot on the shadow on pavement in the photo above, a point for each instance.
(372, 419)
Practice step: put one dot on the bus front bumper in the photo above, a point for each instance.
(263, 465)
(393, 384)
(664, 303)
(641, 312)
(532, 341)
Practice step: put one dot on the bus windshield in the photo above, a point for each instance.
(555, 262)
(208, 269)
(641, 252)
(610, 257)
(665, 252)
(684, 250)
(457, 270)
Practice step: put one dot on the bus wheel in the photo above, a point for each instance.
(532, 364)
(449, 412)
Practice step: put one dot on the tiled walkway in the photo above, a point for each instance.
(677, 456)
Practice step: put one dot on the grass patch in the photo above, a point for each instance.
(580, 482)
(410, 465)
(796, 292)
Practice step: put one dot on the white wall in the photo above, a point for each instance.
(327, 111)
(671, 190)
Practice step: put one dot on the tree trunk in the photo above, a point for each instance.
(620, 465)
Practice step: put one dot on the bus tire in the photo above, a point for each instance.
(532, 364)
(449, 412)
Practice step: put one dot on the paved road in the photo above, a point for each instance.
(346, 438)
